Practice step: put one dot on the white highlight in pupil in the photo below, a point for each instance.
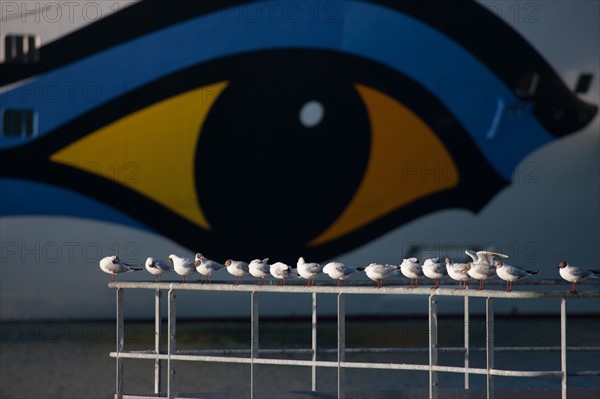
(311, 114)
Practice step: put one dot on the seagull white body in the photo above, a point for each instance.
(281, 271)
(377, 272)
(458, 272)
(259, 269)
(182, 266)
(511, 273)
(338, 271)
(113, 265)
(308, 271)
(206, 267)
(411, 269)
(482, 266)
(157, 267)
(237, 268)
(433, 269)
(575, 274)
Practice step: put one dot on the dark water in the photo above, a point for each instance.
(70, 360)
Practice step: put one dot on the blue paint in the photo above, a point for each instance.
(33, 198)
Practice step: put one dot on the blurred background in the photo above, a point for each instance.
(359, 131)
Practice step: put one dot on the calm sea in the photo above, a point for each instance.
(49, 360)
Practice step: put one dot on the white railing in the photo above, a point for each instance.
(255, 356)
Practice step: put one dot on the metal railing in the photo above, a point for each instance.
(255, 356)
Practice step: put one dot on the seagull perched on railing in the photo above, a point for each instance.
(482, 267)
(308, 271)
(157, 267)
(377, 272)
(338, 271)
(458, 272)
(206, 267)
(182, 266)
(575, 274)
(282, 272)
(259, 269)
(433, 269)
(411, 269)
(236, 268)
(510, 273)
(112, 265)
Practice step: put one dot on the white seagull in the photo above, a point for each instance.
(157, 267)
(410, 268)
(237, 268)
(206, 267)
(281, 271)
(182, 266)
(338, 271)
(482, 266)
(112, 265)
(575, 274)
(259, 269)
(308, 271)
(510, 273)
(433, 269)
(458, 272)
(377, 272)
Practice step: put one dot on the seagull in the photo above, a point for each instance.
(112, 265)
(308, 271)
(458, 272)
(237, 268)
(433, 269)
(377, 272)
(157, 267)
(182, 266)
(575, 274)
(510, 273)
(206, 267)
(260, 269)
(338, 271)
(482, 266)
(410, 268)
(281, 271)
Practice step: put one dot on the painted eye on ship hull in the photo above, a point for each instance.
(303, 138)
(275, 152)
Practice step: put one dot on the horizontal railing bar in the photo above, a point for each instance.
(283, 351)
(514, 373)
(590, 373)
(148, 397)
(350, 289)
(356, 365)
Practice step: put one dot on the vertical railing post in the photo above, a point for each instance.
(314, 342)
(157, 326)
(253, 342)
(433, 347)
(563, 346)
(489, 350)
(341, 348)
(467, 345)
(171, 347)
(120, 344)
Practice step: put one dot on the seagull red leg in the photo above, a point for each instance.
(572, 290)
(481, 285)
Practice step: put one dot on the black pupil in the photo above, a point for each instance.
(264, 174)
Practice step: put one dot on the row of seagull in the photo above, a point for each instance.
(484, 264)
